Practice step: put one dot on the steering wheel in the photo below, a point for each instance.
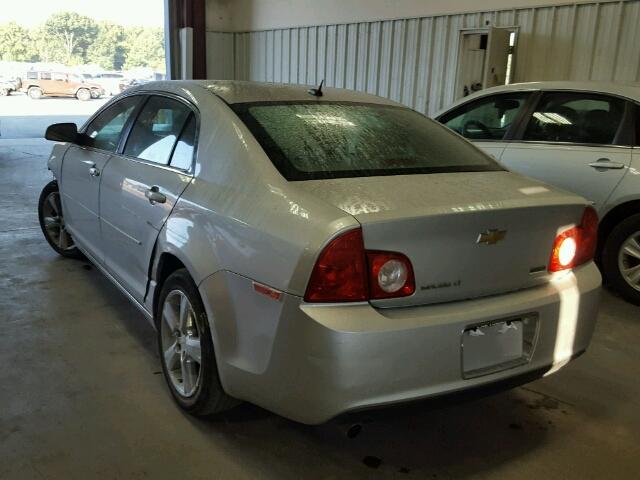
(470, 129)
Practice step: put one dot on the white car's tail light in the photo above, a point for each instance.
(576, 245)
(345, 272)
(390, 275)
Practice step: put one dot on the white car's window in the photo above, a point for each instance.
(183, 153)
(61, 77)
(104, 131)
(316, 140)
(156, 130)
(487, 118)
(45, 76)
(575, 117)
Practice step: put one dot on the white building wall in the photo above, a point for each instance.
(414, 60)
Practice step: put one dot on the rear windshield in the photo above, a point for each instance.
(314, 140)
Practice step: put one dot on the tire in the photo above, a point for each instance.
(621, 259)
(83, 94)
(51, 220)
(35, 93)
(198, 391)
(4, 92)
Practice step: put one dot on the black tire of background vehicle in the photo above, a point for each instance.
(83, 94)
(4, 92)
(46, 191)
(209, 397)
(610, 252)
(35, 93)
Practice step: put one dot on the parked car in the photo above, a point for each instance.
(56, 84)
(8, 85)
(321, 252)
(583, 137)
(109, 81)
(131, 82)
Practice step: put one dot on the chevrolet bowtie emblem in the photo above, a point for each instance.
(491, 237)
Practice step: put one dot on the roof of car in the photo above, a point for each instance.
(237, 91)
(628, 90)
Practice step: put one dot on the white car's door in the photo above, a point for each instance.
(487, 120)
(141, 186)
(80, 178)
(574, 140)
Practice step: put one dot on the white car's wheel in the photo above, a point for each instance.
(4, 92)
(621, 259)
(186, 349)
(52, 222)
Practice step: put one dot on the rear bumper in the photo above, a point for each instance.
(313, 362)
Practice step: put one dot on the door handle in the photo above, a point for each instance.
(94, 172)
(154, 195)
(607, 164)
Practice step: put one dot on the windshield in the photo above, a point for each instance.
(313, 140)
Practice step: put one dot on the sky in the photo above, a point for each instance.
(147, 13)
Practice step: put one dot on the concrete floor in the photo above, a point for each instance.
(81, 395)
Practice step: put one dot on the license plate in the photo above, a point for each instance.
(492, 347)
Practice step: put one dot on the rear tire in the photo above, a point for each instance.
(35, 93)
(621, 259)
(52, 223)
(184, 338)
(4, 92)
(83, 94)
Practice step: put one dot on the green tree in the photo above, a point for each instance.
(109, 49)
(70, 36)
(15, 44)
(145, 48)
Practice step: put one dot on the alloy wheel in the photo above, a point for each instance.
(629, 260)
(180, 341)
(54, 222)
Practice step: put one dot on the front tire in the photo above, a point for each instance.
(621, 259)
(186, 348)
(35, 93)
(4, 92)
(52, 222)
(83, 95)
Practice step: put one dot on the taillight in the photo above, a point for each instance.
(576, 245)
(344, 272)
(340, 273)
(390, 275)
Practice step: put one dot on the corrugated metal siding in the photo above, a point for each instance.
(414, 61)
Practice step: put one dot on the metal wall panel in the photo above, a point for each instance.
(414, 61)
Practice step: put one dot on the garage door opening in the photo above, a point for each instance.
(60, 61)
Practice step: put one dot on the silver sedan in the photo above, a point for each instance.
(316, 252)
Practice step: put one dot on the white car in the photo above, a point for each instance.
(580, 136)
(315, 253)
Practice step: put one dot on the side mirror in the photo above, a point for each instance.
(62, 132)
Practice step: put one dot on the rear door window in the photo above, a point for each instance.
(488, 118)
(575, 117)
(311, 140)
(156, 130)
(183, 153)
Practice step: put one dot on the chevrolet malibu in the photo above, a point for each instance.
(316, 252)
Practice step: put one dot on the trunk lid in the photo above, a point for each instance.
(467, 234)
